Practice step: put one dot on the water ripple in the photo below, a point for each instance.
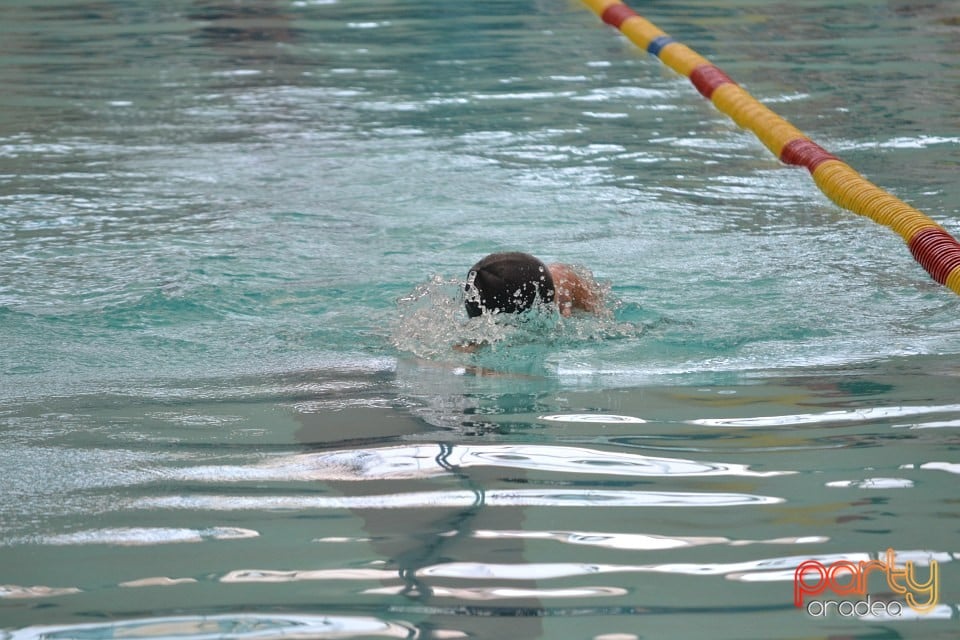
(138, 536)
(448, 499)
(506, 593)
(302, 575)
(17, 592)
(873, 483)
(421, 461)
(949, 467)
(636, 541)
(779, 568)
(601, 418)
(845, 415)
(239, 626)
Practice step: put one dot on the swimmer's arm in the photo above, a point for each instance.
(573, 292)
(467, 347)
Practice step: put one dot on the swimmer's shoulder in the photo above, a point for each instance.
(575, 288)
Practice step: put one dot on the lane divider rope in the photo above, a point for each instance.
(931, 245)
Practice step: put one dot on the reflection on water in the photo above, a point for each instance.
(490, 498)
(365, 497)
(146, 536)
(864, 414)
(427, 460)
(636, 541)
(232, 626)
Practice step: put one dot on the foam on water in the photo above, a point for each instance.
(432, 323)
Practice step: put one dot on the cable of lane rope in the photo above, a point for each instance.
(932, 246)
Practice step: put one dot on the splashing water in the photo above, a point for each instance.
(433, 324)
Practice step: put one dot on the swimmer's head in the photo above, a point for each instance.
(507, 283)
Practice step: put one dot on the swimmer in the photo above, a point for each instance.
(513, 282)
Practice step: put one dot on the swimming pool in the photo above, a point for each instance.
(231, 244)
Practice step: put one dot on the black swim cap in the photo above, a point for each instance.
(507, 283)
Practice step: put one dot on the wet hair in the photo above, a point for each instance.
(507, 283)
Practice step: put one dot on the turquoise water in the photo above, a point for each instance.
(231, 240)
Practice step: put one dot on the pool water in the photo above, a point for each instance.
(232, 244)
